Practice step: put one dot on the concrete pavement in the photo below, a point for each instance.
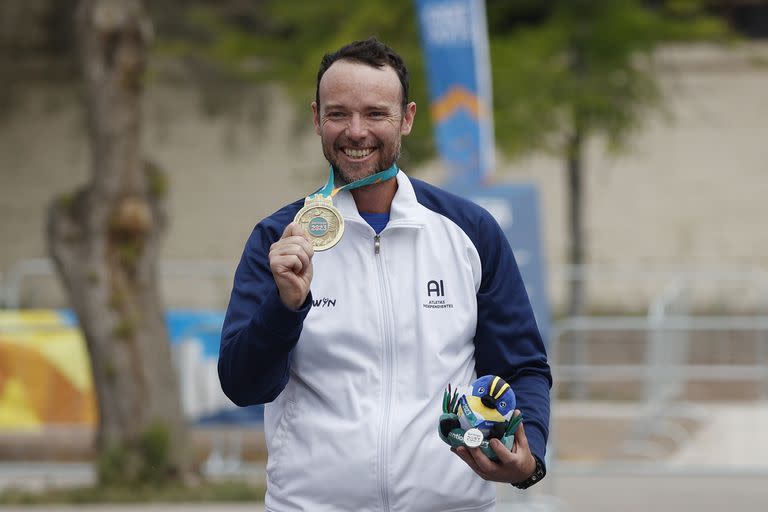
(723, 465)
(574, 493)
(151, 507)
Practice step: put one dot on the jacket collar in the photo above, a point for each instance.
(405, 206)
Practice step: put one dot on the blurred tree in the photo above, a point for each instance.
(565, 71)
(283, 42)
(104, 241)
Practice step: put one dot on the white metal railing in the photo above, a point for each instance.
(657, 281)
(14, 279)
(663, 374)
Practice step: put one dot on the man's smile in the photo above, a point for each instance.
(358, 153)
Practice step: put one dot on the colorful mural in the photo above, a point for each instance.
(45, 375)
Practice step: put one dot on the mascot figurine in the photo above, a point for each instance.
(475, 415)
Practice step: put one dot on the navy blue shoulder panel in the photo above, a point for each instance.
(277, 221)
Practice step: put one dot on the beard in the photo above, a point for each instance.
(351, 173)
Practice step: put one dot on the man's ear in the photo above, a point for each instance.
(408, 116)
(316, 117)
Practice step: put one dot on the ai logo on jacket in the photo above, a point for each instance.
(436, 289)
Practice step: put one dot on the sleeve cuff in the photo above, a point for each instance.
(537, 445)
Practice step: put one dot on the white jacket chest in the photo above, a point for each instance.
(411, 304)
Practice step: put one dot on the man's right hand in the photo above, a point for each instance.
(290, 260)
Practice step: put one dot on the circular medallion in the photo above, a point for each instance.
(473, 438)
(323, 222)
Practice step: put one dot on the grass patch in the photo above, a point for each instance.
(220, 491)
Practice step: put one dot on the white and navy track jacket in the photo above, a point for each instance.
(353, 381)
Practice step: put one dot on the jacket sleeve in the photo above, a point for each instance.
(507, 339)
(259, 331)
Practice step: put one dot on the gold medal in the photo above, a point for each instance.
(322, 221)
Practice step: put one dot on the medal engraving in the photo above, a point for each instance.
(473, 438)
(322, 221)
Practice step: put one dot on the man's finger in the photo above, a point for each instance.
(299, 241)
(293, 246)
(520, 438)
(294, 229)
(291, 262)
(502, 452)
(484, 464)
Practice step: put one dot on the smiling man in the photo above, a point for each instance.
(353, 308)
(362, 118)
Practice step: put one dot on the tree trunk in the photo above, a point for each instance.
(576, 346)
(574, 158)
(104, 240)
(576, 235)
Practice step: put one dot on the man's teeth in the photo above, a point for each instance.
(358, 153)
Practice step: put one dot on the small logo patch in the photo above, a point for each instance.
(325, 302)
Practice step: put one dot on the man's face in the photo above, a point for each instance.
(360, 118)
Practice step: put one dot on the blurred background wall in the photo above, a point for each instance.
(688, 193)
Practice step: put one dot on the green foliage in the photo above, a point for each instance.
(128, 251)
(111, 465)
(124, 330)
(67, 201)
(157, 180)
(145, 461)
(558, 65)
(278, 41)
(206, 492)
(110, 372)
(116, 300)
(581, 65)
(155, 450)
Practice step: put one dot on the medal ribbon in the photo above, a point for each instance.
(329, 190)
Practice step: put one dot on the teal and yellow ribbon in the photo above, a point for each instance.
(330, 190)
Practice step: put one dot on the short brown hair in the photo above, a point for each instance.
(371, 52)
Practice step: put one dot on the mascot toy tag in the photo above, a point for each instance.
(474, 415)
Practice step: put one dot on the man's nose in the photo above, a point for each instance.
(357, 128)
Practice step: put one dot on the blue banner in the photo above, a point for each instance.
(454, 35)
(516, 209)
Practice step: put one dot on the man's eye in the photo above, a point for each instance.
(378, 114)
(334, 115)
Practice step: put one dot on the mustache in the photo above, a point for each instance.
(357, 145)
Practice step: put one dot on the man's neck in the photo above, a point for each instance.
(375, 198)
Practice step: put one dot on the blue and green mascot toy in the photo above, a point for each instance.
(478, 413)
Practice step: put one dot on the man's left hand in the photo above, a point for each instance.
(513, 466)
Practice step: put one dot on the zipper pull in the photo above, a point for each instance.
(376, 244)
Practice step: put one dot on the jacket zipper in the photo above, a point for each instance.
(387, 374)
